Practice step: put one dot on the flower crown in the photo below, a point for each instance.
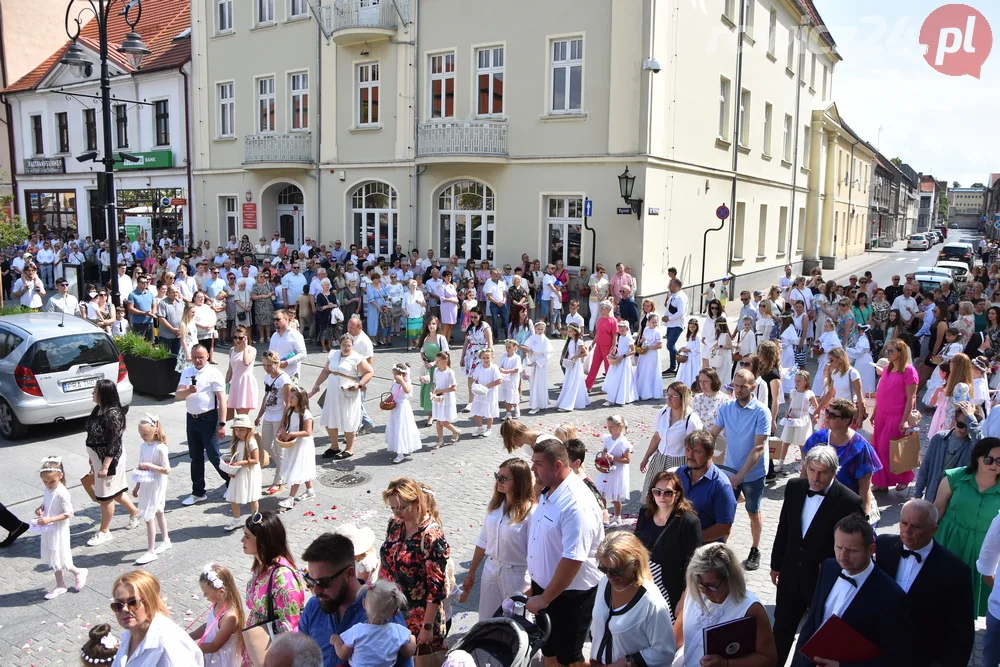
(51, 464)
(212, 577)
(108, 641)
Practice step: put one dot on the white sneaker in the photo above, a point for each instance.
(192, 499)
(308, 495)
(147, 557)
(399, 458)
(479, 431)
(163, 547)
(287, 503)
(467, 408)
(54, 593)
(81, 579)
(133, 521)
(234, 524)
(487, 433)
(533, 411)
(100, 538)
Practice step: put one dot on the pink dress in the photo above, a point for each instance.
(242, 384)
(890, 402)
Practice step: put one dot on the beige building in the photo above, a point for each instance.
(482, 133)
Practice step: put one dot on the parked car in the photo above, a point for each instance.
(929, 281)
(933, 237)
(918, 242)
(957, 251)
(953, 225)
(943, 230)
(960, 269)
(49, 365)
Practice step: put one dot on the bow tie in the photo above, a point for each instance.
(810, 493)
(907, 553)
(849, 580)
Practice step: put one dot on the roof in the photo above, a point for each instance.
(161, 22)
(809, 9)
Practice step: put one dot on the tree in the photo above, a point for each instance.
(896, 161)
(977, 184)
(956, 184)
(943, 207)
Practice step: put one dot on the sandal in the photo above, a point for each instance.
(345, 455)
(271, 490)
(331, 453)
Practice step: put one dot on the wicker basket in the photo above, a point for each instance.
(682, 357)
(226, 467)
(387, 402)
(286, 444)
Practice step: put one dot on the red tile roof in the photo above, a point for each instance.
(161, 22)
(824, 32)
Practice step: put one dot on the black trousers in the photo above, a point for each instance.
(790, 605)
(569, 616)
(8, 521)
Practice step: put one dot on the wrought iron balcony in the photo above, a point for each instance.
(356, 21)
(277, 148)
(476, 138)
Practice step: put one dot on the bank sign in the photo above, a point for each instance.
(147, 160)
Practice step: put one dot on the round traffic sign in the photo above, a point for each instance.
(722, 212)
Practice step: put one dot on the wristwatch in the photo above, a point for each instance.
(221, 424)
(428, 626)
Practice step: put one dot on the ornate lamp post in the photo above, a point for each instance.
(135, 50)
(626, 182)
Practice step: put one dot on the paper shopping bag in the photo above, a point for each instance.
(87, 482)
(426, 658)
(904, 453)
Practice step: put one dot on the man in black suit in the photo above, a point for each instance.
(809, 513)
(937, 583)
(863, 596)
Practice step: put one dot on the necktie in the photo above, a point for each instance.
(907, 553)
(849, 580)
(810, 493)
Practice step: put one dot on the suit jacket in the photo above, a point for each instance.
(975, 342)
(798, 558)
(880, 612)
(940, 598)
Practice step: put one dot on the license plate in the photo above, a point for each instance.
(77, 385)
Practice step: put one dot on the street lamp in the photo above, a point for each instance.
(75, 57)
(626, 183)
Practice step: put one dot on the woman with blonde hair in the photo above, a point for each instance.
(188, 337)
(503, 540)
(630, 616)
(843, 381)
(151, 638)
(673, 424)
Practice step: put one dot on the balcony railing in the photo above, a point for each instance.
(468, 137)
(295, 147)
(349, 14)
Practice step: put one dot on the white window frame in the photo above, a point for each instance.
(782, 230)
(153, 124)
(298, 89)
(790, 53)
(729, 10)
(489, 70)
(367, 220)
(261, 98)
(223, 16)
(806, 146)
(264, 12)
(826, 72)
(371, 83)
(748, 12)
(772, 31)
(725, 94)
(232, 215)
(786, 152)
(561, 222)
(744, 119)
(441, 67)
(762, 232)
(768, 123)
(303, 6)
(226, 117)
(812, 74)
(570, 56)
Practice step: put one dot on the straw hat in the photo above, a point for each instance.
(242, 421)
(362, 538)
(880, 365)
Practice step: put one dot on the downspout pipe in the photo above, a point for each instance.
(319, 131)
(796, 81)
(187, 152)
(415, 189)
(850, 198)
(737, 94)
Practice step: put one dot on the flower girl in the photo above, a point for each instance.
(150, 478)
(218, 637)
(537, 348)
(574, 359)
(619, 382)
(688, 369)
(510, 369)
(53, 523)
(298, 465)
(801, 413)
(243, 466)
(443, 399)
(401, 433)
(485, 403)
(648, 379)
(614, 484)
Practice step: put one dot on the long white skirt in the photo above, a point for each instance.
(342, 409)
(538, 388)
(648, 380)
(573, 395)
(401, 434)
(299, 463)
(619, 383)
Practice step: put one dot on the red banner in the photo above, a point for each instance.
(249, 216)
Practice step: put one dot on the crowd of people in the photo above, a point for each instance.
(736, 401)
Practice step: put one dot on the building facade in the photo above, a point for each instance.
(58, 130)
(930, 195)
(966, 206)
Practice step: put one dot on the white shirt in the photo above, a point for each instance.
(125, 285)
(810, 506)
(989, 558)
(909, 568)
(186, 286)
(547, 281)
(209, 380)
(504, 541)
(785, 283)
(842, 594)
(363, 345)
(497, 291)
(672, 435)
(906, 307)
(566, 524)
(172, 264)
(251, 271)
(45, 256)
(68, 304)
(676, 320)
(424, 264)
(31, 298)
(315, 288)
(413, 304)
(165, 645)
(292, 284)
(842, 384)
(574, 318)
(17, 264)
(274, 247)
(289, 346)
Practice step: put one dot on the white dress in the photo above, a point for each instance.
(153, 494)
(225, 656)
(299, 463)
(56, 551)
(798, 408)
(538, 359)
(614, 485)
(486, 406)
(401, 434)
(245, 486)
(573, 395)
(861, 358)
(746, 342)
(828, 341)
(619, 383)
(509, 392)
(443, 409)
(687, 372)
(789, 339)
(342, 409)
(648, 380)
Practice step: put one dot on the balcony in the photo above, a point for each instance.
(357, 21)
(277, 150)
(466, 138)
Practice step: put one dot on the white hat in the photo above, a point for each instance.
(880, 364)
(362, 538)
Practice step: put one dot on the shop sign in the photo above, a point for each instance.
(44, 165)
(178, 201)
(147, 160)
(249, 216)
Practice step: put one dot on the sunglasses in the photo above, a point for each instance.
(501, 479)
(961, 425)
(990, 460)
(132, 604)
(833, 415)
(400, 509)
(257, 518)
(613, 571)
(663, 493)
(324, 582)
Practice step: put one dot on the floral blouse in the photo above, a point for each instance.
(707, 408)
(288, 592)
(418, 565)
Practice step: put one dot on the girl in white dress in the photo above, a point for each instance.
(244, 459)
(801, 412)
(537, 349)
(218, 635)
(746, 339)
(444, 409)
(827, 341)
(721, 354)
(52, 522)
(861, 358)
(765, 323)
(573, 394)
(648, 380)
(687, 371)
(150, 478)
(789, 339)
(510, 369)
(298, 466)
(619, 382)
(401, 433)
(614, 485)
(486, 405)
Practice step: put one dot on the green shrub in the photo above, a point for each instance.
(132, 344)
(14, 310)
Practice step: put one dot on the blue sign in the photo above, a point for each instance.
(997, 224)
(722, 212)
(588, 208)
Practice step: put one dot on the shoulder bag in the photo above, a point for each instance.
(258, 637)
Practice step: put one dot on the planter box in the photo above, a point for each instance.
(152, 377)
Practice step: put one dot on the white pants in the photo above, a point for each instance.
(268, 431)
(499, 583)
(595, 313)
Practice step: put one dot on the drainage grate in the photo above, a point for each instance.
(344, 480)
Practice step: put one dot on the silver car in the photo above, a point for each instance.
(49, 365)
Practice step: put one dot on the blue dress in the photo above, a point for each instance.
(376, 300)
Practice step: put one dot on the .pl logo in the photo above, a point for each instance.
(957, 40)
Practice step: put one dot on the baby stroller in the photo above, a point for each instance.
(504, 641)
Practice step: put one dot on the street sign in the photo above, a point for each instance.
(249, 216)
(624, 210)
(588, 208)
(654, 211)
(178, 201)
(722, 212)
(164, 201)
(996, 224)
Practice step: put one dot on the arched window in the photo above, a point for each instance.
(466, 221)
(290, 194)
(375, 214)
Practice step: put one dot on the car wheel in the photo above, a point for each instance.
(10, 427)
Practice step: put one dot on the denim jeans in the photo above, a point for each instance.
(202, 440)
(47, 272)
(366, 421)
(673, 333)
(173, 344)
(500, 315)
(991, 641)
